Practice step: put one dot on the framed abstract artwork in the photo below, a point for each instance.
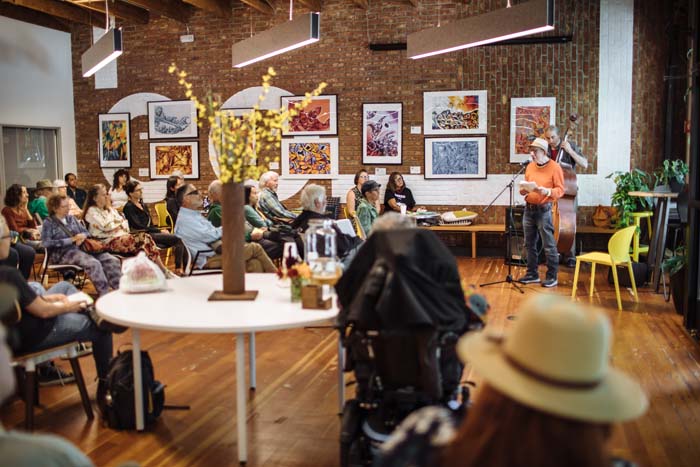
(319, 117)
(381, 133)
(169, 157)
(115, 140)
(463, 157)
(455, 112)
(529, 118)
(310, 158)
(172, 119)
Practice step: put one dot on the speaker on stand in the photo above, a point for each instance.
(515, 253)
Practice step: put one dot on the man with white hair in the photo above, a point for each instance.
(214, 215)
(269, 203)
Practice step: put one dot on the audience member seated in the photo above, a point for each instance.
(366, 209)
(214, 214)
(393, 221)
(313, 203)
(21, 256)
(269, 203)
(17, 215)
(62, 235)
(354, 195)
(75, 210)
(549, 397)
(76, 194)
(108, 226)
(397, 194)
(198, 235)
(37, 206)
(117, 193)
(174, 182)
(251, 211)
(139, 218)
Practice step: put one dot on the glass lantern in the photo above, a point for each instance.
(322, 252)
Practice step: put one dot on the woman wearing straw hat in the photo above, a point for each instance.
(549, 397)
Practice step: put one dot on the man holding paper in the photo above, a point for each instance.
(544, 183)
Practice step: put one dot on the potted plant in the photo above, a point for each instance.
(675, 265)
(634, 180)
(672, 174)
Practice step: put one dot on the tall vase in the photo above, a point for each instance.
(232, 255)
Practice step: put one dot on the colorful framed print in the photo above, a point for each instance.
(455, 112)
(115, 140)
(381, 133)
(529, 118)
(169, 157)
(310, 158)
(319, 117)
(463, 157)
(172, 119)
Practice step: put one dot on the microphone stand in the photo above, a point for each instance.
(509, 276)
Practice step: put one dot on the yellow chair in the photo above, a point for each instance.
(636, 247)
(164, 222)
(618, 253)
(355, 223)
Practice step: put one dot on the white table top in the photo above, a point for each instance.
(184, 307)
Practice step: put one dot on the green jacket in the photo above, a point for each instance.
(38, 206)
(214, 217)
(366, 214)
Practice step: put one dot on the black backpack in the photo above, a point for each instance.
(118, 403)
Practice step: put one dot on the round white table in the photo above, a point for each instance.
(184, 308)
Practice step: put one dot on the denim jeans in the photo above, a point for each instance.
(76, 327)
(538, 222)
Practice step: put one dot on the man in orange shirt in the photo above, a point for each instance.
(546, 184)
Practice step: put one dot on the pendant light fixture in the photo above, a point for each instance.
(106, 49)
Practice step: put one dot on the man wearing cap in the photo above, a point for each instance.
(571, 155)
(77, 194)
(546, 185)
(38, 204)
(366, 209)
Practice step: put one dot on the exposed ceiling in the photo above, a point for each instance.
(59, 14)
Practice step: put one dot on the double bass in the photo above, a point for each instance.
(564, 209)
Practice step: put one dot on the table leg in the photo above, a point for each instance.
(240, 399)
(653, 241)
(660, 247)
(474, 244)
(251, 359)
(138, 378)
(341, 376)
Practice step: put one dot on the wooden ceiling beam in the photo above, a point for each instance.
(219, 7)
(313, 5)
(414, 3)
(60, 10)
(117, 9)
(260, 5)
(364, 4)
(33, 17)
(177, 12)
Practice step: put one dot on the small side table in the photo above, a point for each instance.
(658, 238)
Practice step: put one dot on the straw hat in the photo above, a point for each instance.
(44, 184)
(540, 143)
(555, 359)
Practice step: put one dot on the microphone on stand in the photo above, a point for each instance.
(525, 163)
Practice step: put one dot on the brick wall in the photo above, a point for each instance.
(353, 72)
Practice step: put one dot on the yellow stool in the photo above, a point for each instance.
(636, 247)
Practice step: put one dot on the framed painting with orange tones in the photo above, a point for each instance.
(310, 158)
(115, 140)
(529, 118)
(170, 157)
(319, 117)
(455, 113)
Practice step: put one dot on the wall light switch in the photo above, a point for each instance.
(274, 165)
(143, 135)
(415, 169)
(143, 172)
(380, 171)
(415, 130)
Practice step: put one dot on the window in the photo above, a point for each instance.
(28, 155)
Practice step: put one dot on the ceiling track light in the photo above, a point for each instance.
(106, 49)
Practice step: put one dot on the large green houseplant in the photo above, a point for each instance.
(672, 173)
(625, 182)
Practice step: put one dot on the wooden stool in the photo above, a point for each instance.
(636, 247)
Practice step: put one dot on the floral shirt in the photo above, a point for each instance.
(106, 224)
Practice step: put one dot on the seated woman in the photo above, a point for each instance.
(354, 195)
(37, 206)
(174, 182)
(60, 187)
(397, 194)
(17, 215)
(62, 236)
(139, 218)
(366, 209)
(107, 225)
(252, 214)
(117, 193)
(549, 398)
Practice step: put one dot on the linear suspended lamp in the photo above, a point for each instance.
(508, 23)
(106, 49)
(301, 31)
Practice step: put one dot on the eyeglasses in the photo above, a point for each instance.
(195, 192)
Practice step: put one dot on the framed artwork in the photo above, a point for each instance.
(172, 119)
(529, 118)
(319, 117)
(310, 158)
(381, 133)
(169, 157)
(463, 157)
(115, 140)
(455, 112)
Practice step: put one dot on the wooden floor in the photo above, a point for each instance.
(292, 417)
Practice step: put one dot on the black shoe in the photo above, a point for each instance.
(571, 263)
(51, 375)
(550, 283)
(529, 279)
